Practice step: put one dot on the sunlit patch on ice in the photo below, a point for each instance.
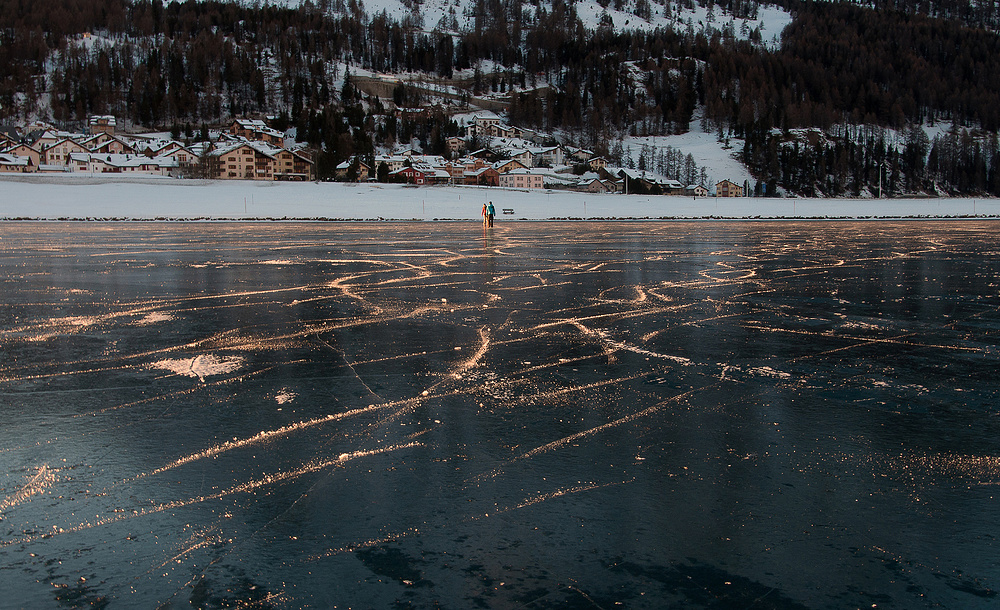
(41, 480)
(200, 366)
(154, 318)
(919, 467)
(55, 327)
(285, 396)
(766, 371)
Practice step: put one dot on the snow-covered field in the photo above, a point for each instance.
(78, 197)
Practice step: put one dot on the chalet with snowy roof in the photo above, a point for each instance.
(638, 180)
(455, 144)
(393, 162)
(524, 156)
(183, 156)
(435, 174)
(522, 179)
(113, 145)
(58, 153)
(486, 154)
(456, 170)
(343, 170)
(548, 156)
(157, 148)
(9, 136)
(696, 190)
(93, 141)
(482, 122)
(244, 128)
(671, 187)
(44, 139)
(13, 164)
(120, 164)
(461, 167)
(256, 130)
(422, 174)
(296, 165)
(728, 189)
(102, 124)
(23, 150)
(579, 155)
(410, 175)
(595, 185)
(244, 161)
(501, 130)
(482, 176)
(597, 163)
(509, 165)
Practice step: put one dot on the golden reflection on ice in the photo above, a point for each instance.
(247, 487)
(200, 366)
(42, 480)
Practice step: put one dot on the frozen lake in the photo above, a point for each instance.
(549, 415)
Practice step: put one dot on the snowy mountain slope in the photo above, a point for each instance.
(459, 15)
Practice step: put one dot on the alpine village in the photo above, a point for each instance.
(546, 94)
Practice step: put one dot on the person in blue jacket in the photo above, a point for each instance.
(490, 213)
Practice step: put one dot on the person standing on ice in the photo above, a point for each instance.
(490, 213)
(486, 219)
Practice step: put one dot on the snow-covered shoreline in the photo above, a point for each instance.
(75, 197)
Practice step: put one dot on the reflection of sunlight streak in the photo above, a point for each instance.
(43, 479)
(260, 437)
(350, 548)
(248, 487)
(201, 386)
(562, 442)
(618, 345)
(58, 326)
(538, 287)
(62, 373)
(609, 353)
(484, 345)
(613, 316)
(542, 497)
(185, 552)
(579, 388)
(263, 602)
(696, 322)
(913, 466)
(837, 263)
(747, 274)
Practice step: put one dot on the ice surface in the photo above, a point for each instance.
(551, 414)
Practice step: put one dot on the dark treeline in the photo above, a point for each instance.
(984, 15)
(839, 64)
(859, 158)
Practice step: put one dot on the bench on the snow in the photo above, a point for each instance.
(508, 210)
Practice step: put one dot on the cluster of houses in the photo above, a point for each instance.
(248, 150)
(517, 158)
(251, 150)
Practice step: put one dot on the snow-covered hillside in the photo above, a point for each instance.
(459, 15)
